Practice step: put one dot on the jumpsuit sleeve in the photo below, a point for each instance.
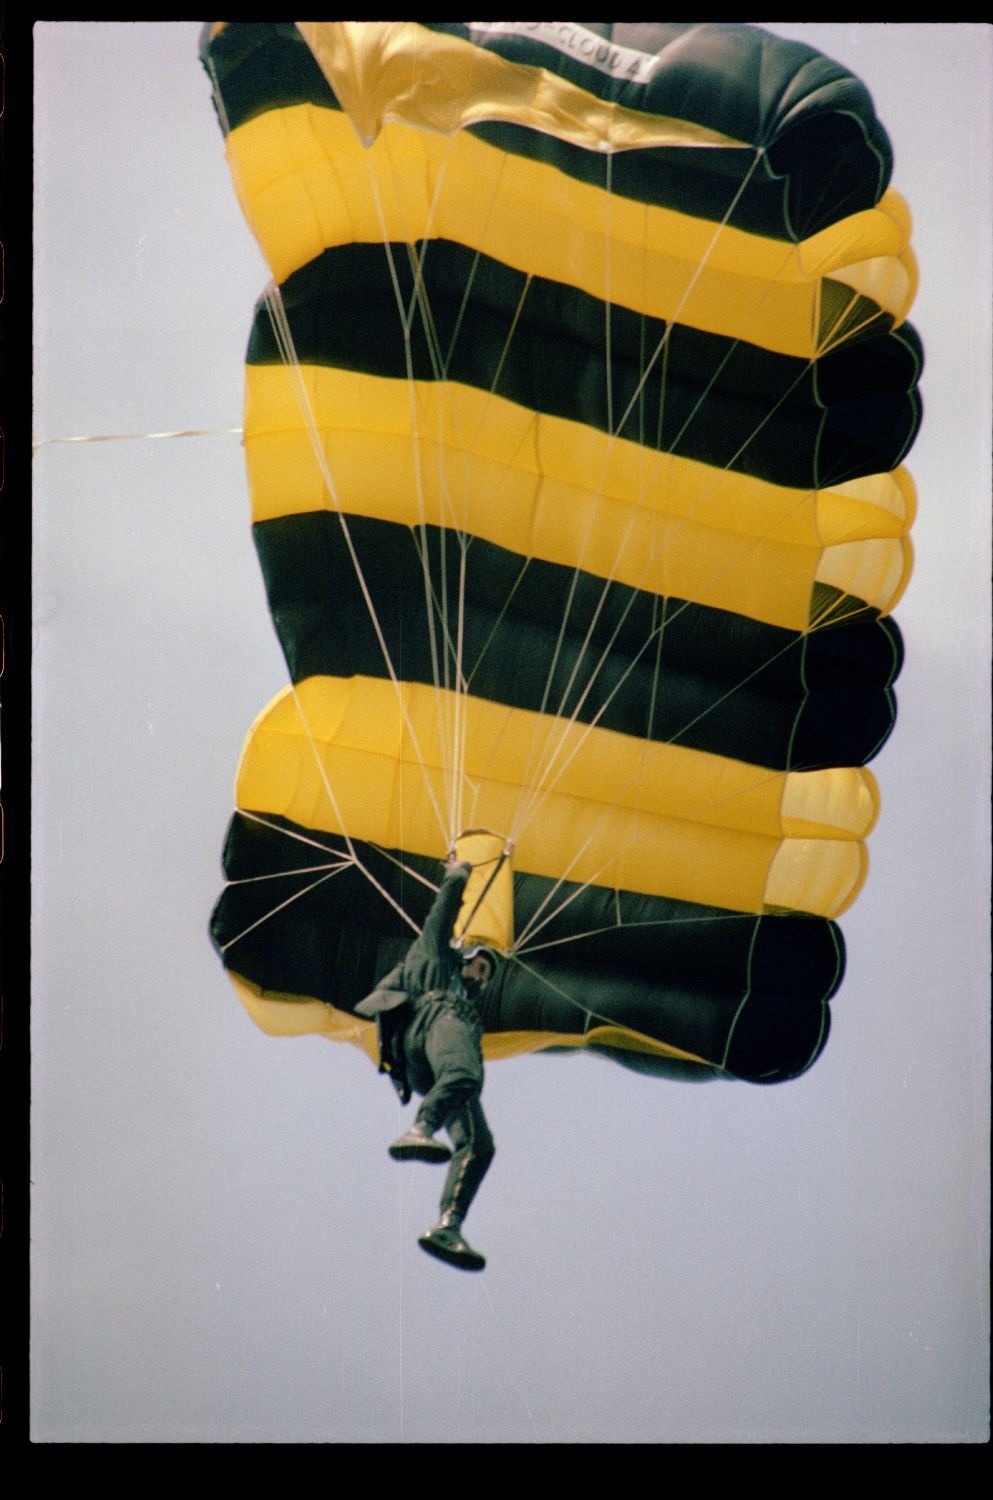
(429, 963)
(437, 931)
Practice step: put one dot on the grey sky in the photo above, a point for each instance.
(222, 1250)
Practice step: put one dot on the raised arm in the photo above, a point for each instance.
(437, 932)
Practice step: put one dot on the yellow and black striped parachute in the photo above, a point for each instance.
(574, 425)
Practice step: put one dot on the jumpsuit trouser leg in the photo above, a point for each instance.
(474, 1150)
(446, 1064)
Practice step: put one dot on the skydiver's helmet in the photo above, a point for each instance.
(480, 950)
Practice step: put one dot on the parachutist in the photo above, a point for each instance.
(429, 1040)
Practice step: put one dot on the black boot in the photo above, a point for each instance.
(446, 1242)
(419, 1145)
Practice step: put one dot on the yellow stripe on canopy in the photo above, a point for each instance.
(368, 755)
(293, 1015)
(306, 184)
(451, 455)
(400, 70)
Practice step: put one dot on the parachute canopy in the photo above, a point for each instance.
(574, 426)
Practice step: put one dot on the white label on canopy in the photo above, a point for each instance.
(575, 41)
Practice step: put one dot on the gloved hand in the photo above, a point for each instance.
(456, 867)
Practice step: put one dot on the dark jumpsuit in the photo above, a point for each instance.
(441, 1047)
